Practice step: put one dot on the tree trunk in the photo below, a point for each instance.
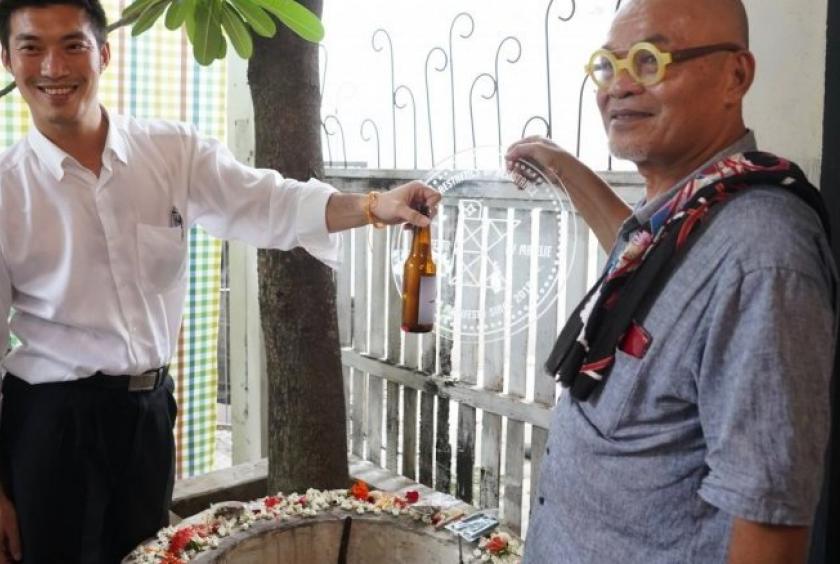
(306, 418)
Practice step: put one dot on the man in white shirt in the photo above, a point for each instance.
(94, 214)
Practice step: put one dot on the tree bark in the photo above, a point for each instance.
(306, 416)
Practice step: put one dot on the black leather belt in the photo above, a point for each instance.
(145, 382)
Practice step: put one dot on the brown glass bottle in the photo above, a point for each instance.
(419, 283)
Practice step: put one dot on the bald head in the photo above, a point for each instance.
(720, 20)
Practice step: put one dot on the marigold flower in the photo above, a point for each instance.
(496, 545)
(360, 490)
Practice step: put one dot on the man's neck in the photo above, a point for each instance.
(662, 176)
(84, 141)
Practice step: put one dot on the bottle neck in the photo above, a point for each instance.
(422, 240)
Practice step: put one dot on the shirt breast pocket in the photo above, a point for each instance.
(606, 408)
(162, 252)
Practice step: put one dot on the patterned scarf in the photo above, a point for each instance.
(585, 350)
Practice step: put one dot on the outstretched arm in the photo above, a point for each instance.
(399, 205)
(602, 209)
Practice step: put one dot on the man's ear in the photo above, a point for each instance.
(104, 56)
(7, 63)
(742, 74)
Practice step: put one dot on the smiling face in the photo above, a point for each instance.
(56, 61)
(697, 106)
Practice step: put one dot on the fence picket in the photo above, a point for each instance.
(427, 435)
(493, 271)
(359, 342)
(544, 385)
(409, 443)
(519, 269)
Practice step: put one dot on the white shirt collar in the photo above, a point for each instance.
(53, 157)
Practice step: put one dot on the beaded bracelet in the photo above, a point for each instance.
(372, 198)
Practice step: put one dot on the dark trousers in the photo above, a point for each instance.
(90, 470)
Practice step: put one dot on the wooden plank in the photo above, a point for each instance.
(360, 289)
(539, 438)
(394, 313)
(576, 264)
(357, 413)
(514, 475)
(343, 297)
(378, 291)
(409, 436)
(411, 342)
(344, 306)
(519, 269)
(375, 400)
(493, 305)
(501, 404)
(547, 327)
(392, 426)
(547, 330)
(443, 448)
(427, 433)
(347, 379)
(465, 459)
(468, 302)
(447, 228)
(393, 347)
(629, 185)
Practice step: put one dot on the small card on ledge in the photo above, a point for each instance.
(473, 527)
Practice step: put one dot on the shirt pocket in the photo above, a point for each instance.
(606, 408)
(163, 257)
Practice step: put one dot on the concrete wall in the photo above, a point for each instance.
(785, 106)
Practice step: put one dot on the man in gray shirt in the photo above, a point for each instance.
(702, 438)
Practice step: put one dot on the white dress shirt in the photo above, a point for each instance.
(94, 269)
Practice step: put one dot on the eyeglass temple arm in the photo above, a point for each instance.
(694, 52)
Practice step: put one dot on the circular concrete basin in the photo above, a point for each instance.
(372, 539)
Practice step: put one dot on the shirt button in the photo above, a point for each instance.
(542, 500)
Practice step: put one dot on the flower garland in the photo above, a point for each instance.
(180, 543)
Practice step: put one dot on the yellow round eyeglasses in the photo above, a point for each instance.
(645, 63)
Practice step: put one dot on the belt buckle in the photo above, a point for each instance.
(143, 382)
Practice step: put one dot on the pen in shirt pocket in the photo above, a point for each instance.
(175, 220)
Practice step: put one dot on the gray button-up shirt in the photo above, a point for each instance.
(726, 415)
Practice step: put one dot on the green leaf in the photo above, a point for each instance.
(136, 8)
(222, 49)
(236, 31)
(148, 18)
(176, 14)
(296, 17)
(260, 22)
(208, 32)
(189, 20)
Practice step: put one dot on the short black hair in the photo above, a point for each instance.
(93, 9)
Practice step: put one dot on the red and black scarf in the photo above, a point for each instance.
(585, 350)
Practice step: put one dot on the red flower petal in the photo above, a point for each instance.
(412, 496)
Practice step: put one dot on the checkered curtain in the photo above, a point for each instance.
(155, 75)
